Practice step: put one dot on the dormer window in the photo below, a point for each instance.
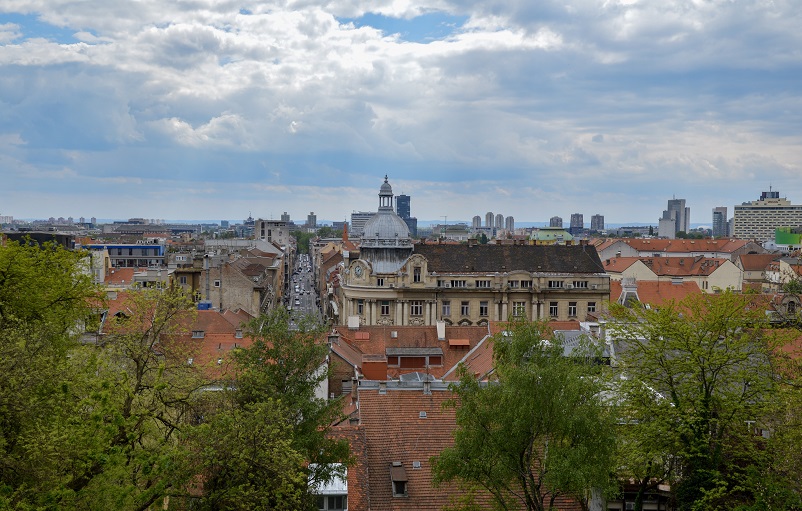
(398, 477)
(238, 333)
(198, 334)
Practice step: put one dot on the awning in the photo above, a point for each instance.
(397, 472)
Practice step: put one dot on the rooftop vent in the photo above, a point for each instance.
(422, 415)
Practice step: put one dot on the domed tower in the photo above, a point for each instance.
(386, 243)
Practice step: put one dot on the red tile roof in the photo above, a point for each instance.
(657, 293)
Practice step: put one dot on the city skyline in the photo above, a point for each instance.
(209, 110)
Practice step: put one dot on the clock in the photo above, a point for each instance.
(358, 271)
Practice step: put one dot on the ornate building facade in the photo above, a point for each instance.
(393, 282)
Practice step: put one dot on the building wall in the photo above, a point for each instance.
(400, 300)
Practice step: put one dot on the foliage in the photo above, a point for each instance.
(46, 298)
(700, 374)
(540, 431)
(282, 370)
(247, 460)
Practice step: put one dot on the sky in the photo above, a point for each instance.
(221, 109)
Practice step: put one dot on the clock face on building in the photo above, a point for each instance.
(358, 271)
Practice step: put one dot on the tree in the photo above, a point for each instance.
(541, 430)
(247, 460)
(277, 382)
(700, 375)
(46, 299)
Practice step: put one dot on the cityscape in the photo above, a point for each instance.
(395, 256)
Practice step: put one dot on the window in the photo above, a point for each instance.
(332, 503)
(483, 308)
(238, 334)
(465, 308)
(380, 282)
(791, 307)
(183, 280)
(416, 274)
(553, 309)
(458, 283)
(190, 360)
(385, 307)
(572, 309)
(216, 283)
(518, 309)
(483, 283)
(360, 307)
(446, 307)
(198, 334)
(515, 284)
(591, 306)
(526, 284)
(416, 308)
(399, 478)
(581, 284)
(555, 284)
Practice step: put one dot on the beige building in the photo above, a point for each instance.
(712, 275)
(758, 219)
(392, 282)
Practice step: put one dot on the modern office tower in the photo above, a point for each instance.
(757, 220)
(358, 219)
(577, 223)
(681, 215)
(509, 223)
(499, 221)
(597, 223)
(555, 221)
(285, 217)
(402, 206)
(489, 219)
(477, 222)
(311, 219)
(720, 223)
(224, 224)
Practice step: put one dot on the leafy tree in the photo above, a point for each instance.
(540, 431)
(46, 298)
(278, 378)
(699, 375)
(142, 399)
(247, 460)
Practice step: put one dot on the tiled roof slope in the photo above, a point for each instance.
(668, 266)
(683, 245)
(493, 258)
(657, 293)
(756, 262)
(394, 432)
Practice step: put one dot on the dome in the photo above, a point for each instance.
(385, 228)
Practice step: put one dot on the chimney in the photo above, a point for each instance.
(334, 338)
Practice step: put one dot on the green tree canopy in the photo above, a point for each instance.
(540, 430)
(701, 376)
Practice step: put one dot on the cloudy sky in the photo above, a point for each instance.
(214, 109)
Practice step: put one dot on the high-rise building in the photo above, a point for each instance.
(402, 206)
(555, 221)
(681, 215)
(358, 219)
(758, 219)
(285, 217)
(499, 221)
(311, 219)
(489, 219)
(477, 222)
(509, 223)
(577, 223)
(720, 224)
(597, 223)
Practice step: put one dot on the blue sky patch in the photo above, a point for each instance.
(422, 29)
(31, 28)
